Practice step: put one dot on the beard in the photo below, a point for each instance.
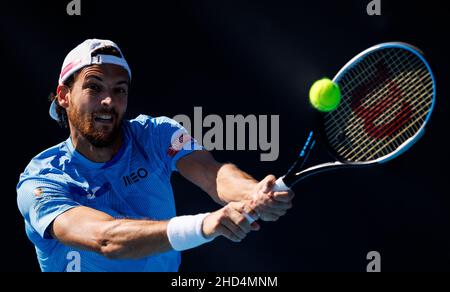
(99, 137)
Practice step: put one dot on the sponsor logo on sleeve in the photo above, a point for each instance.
(178, 144)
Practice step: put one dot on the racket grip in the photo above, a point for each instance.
(279, 186)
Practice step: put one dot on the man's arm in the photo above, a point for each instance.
(227, 183)
(93, 230)
(224, 182)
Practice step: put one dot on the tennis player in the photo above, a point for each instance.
(105, 192)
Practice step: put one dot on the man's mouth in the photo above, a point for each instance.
(104, 118)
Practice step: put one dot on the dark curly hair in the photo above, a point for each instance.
(62, 114)
(63, 121)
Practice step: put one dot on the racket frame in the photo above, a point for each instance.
(292, 178)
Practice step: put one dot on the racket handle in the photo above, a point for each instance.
(279, 186)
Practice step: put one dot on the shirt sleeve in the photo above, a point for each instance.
(166, 137)
(174, 140)
(41, 200)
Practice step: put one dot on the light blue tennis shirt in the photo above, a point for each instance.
(134, 184)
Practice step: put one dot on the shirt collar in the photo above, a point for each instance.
(92, 164)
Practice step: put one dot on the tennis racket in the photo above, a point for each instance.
(388, 94)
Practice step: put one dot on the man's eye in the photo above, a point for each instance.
(94, 87)
(121, 91)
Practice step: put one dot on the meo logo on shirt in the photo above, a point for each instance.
(134, 177)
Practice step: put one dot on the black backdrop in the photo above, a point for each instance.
(245, 57)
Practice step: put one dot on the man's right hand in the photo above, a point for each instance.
(230, 222)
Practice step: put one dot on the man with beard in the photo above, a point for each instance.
(103, 196)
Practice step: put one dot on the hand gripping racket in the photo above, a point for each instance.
(388, 94)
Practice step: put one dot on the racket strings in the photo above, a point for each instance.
(394, 112)
(392, 141)
(391, 145)
(401, 119)
(374, 107)
(353, 80)
(382, 119)
(370, 151)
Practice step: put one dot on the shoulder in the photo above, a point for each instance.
(45, 169)
(146, 121)
(53, 158)
(48, 166)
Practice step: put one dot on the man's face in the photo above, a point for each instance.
(97, 103)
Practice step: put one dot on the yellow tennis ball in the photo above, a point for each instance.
(325, 95)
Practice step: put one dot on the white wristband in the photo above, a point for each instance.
(185, 232)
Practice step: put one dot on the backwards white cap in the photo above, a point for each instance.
(81, 57)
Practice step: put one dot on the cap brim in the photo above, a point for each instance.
(52, 111)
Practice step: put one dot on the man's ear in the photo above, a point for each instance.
(63, 94)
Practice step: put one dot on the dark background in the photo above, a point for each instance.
(245, 57)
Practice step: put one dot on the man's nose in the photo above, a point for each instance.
(107, 101)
